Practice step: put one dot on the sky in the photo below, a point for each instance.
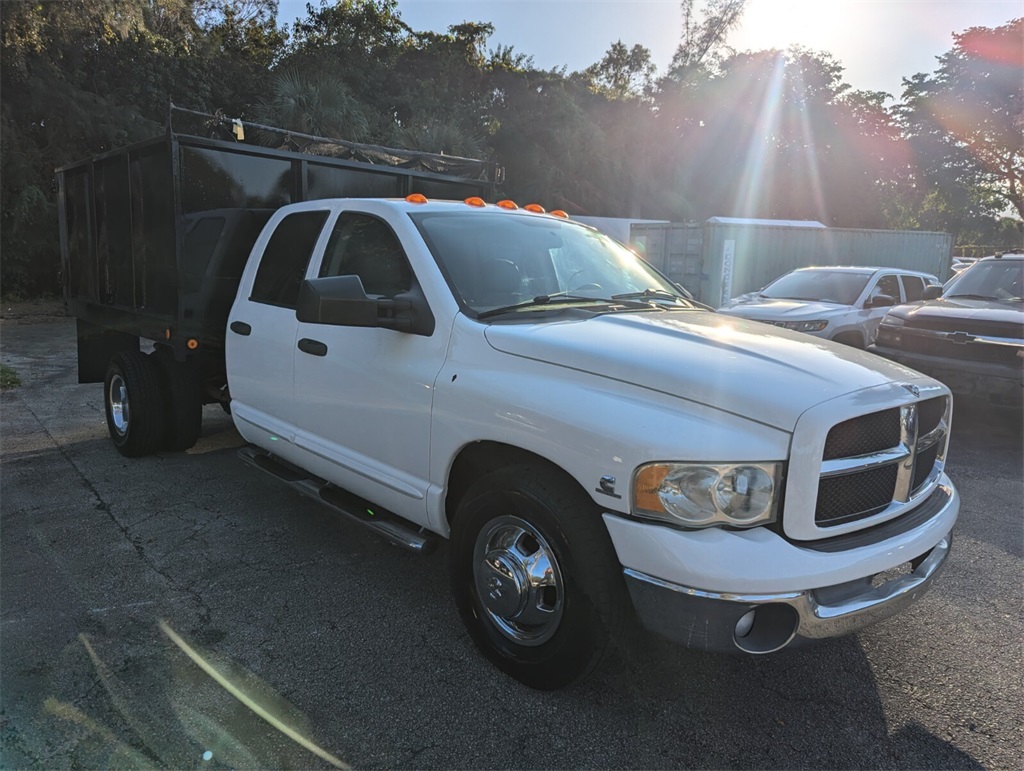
(879, 42)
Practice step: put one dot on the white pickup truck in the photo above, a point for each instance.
(591, 442)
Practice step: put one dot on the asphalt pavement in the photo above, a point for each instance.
(186, 611)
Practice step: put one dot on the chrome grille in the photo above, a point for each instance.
(874, 462)
(867, 433)
(854, 496)
(929, 413)
(974, 348)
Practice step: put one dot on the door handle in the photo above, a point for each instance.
(241, 328)
(314, 347)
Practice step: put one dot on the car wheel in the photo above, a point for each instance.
(535, 576)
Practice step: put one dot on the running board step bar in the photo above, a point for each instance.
(352, 507)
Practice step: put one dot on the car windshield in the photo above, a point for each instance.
(495, 259)
(996, 280)
(832, 286)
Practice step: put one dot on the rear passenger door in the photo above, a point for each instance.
(913, 288)
(262, 326)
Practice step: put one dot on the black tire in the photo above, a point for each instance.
(134, 404)
(532, 510)
(183, 417)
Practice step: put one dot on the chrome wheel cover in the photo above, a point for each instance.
(117, 400)
(518, 580)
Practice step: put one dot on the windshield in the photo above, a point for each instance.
(831, 286)
(495, 259)
(995, 280)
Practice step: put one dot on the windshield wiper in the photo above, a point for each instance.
(654, 294)
(661, 294)
(972, 296)
(541, 301)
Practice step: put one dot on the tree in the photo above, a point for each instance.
(965, 124)
(623, 72)
(776, 134)
(319, 104)
(704, 33)
(80, 77)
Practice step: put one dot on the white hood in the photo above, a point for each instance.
(742, 367)
(784, 310)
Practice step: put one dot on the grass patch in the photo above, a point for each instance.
(8, 378)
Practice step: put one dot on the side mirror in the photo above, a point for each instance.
(932, 292)
(880, 301)
(342, 301)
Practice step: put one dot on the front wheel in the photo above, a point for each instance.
(535, 576)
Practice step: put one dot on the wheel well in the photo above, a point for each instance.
(480, 458)
(853, 338)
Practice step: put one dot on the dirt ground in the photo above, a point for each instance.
(30, 311)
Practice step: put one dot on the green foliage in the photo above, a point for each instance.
(8, 378)
(623, 72)
(760, 134)
(318, 103)
(704, 32)
(964, 126)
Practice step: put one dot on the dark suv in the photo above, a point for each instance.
(971, 337)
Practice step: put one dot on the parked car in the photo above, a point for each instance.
(971, 337)
(845, 304)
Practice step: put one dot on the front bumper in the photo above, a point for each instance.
(694, 587)
(764, 623)
(998, 383)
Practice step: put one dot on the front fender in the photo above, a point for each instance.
(590, 426)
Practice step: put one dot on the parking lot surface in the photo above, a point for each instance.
(184, 610)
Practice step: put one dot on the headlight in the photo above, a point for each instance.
(890, 332)
(806, 326)
(702, 495)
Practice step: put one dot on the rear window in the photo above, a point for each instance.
(284, 261)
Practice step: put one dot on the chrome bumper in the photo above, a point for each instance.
(769, 622)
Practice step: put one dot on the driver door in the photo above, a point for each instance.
(364, 394)
(886, 284)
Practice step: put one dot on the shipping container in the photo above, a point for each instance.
(724, 257)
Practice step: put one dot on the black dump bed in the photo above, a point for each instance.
(154, 236)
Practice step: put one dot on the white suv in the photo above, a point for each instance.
(845, 304)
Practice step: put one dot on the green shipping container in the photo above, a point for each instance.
(726, 257)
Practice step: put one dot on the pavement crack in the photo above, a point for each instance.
(102, 505)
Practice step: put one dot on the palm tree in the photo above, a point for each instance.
(320, 104)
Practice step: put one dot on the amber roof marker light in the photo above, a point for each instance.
(536, 208)
(417, 198)
(475, 201)
(507, 204)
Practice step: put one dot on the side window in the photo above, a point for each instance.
(913, 287)
(889, 285)
(284, 261)
(364, 246)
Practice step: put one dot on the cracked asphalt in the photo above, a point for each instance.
(186, 611)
